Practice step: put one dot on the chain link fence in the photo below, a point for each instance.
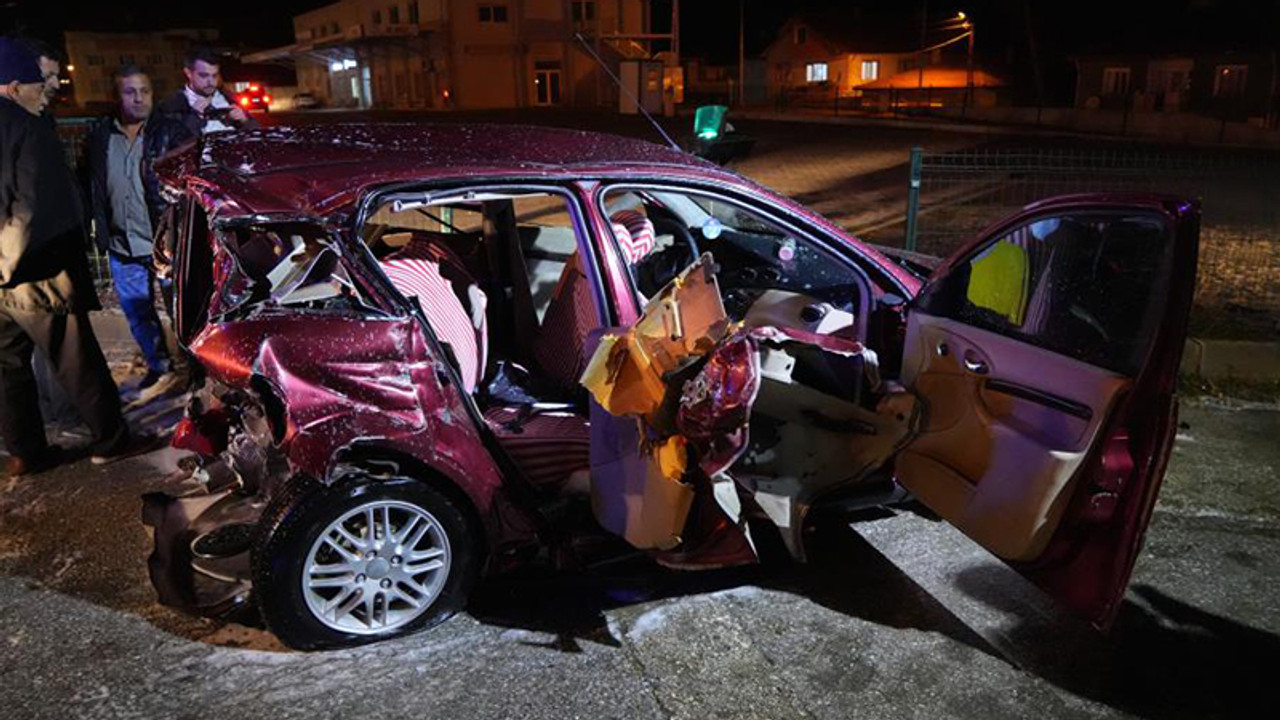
(955, 195)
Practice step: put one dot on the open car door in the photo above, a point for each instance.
(1046, 354)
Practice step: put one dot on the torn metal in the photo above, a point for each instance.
(762, 418)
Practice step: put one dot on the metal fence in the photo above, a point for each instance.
(954, 195)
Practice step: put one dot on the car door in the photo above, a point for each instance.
(1046, 354)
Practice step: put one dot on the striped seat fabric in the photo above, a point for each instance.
(548, 448)
(635, 234)
(451, 299)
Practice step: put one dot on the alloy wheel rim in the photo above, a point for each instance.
(376, 568)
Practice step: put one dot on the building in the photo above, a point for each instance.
(468, 53)
(1234, 84)
(856, 61)
(94, 57)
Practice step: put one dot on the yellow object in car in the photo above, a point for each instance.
(999, 279)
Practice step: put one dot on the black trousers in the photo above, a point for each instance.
(78, 364)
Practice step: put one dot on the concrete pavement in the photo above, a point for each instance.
(897, 617)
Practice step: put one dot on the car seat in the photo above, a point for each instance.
(571, 314)
(451, 299)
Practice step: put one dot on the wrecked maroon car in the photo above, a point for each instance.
(423, 346)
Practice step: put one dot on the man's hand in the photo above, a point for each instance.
(238, 115)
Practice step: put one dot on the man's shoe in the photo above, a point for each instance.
(137, 445)
(170, 383)
(17, 466)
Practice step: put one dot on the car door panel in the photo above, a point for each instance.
(1046, 355)
(998, 466)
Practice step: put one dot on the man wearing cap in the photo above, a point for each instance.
(46, 291)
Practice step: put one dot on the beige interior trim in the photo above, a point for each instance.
(998, 467)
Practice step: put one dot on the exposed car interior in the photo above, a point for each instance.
(501, 282)
(818, 419)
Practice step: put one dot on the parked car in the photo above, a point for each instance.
(422, 343)
(305, 101)
(254, 98)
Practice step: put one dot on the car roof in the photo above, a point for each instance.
(318, 168)
(325, 168)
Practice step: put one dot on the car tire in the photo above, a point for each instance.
(291, 547)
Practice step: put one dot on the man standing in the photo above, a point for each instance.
(200, 106)
(119, 151)
(46, 291)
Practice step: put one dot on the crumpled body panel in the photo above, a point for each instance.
(344, 381)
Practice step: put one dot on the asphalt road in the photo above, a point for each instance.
(898, 616)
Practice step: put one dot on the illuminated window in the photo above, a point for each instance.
(870, 69)
(815, 72)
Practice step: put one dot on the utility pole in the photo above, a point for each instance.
(675, 29)
(924, 38)
(968, 93)
(742, 51)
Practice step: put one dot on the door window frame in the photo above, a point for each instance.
(574, 203)
(990, 238)
(832, 246)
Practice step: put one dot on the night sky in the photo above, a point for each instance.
(1006, 28)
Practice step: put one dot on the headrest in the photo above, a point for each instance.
(635, 234)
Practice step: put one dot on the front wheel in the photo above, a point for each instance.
(364, 560)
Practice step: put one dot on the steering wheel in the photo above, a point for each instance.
(664, 225)
(659, 267)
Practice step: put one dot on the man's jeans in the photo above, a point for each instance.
(133, 279)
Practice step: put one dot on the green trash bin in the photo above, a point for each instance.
(708, 122)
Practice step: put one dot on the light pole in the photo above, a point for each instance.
(967, 24)
(742, 51)
(924, 40)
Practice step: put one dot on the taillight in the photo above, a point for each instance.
(244, 102)
(266, 99)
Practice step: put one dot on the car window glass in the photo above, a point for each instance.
(759, 263)
(1088, 285)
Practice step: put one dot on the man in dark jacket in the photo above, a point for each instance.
(200, 107)
(119, 151)
(46, 291)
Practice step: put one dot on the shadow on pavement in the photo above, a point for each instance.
(1162, 659)
(572, 605)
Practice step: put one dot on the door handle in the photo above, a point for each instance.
(975, 364)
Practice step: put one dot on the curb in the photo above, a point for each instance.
(1231, 359)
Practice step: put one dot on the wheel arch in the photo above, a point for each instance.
(372, 458)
